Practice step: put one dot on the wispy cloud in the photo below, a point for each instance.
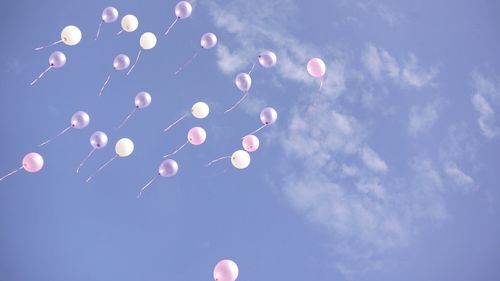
(458, 176)
(485, 89)
(372, 160)
(422, 118)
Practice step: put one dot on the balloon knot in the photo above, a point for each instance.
(73, 125)
(136, 106)
(98, 145)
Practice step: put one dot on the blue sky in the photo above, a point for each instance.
(391, 177)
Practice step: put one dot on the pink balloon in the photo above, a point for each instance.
(226, 270)
(33, 162)
(250, 143)
(197, 136)
(316, 67)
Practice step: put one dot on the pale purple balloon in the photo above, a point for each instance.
(183, 9)
(121, 62)
(226, 270)
(142, 100)
(268, 115)
(98, 140)
(267, 59)
(208, 40)
(57, 59)
(197, 136)
(250, 143)
(33, 162)
(168, 168)
(80, 120)
(243, 81)
(109, 14)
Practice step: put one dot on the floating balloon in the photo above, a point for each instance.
(199, 110)
(243, 81)
(226, 270)
(168, 168)
(70, 35)
(195, 136)
(123, 148)
(208, 41)
(316, 68)
(108, 15)
(79, 120)
(121, 62)
(56, 60)
(129, 23)
(182, 10)
(32, 163)
(147, 42)
(268, 116)
(240, 159)
(266, 59)
(141, 100)
(250, 143)
(98, 140)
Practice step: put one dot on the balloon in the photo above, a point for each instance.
(243, 81)
(316, 67)
(142, 100)
(109, 14)
(124, 147)
(71, 35)
(267, 59)
(129, 23)
(208, 40)
(250, 143)
(80, 120)
(168, 168)
(147, 41)
(268, 116)
(196, 136)
(240, 159)
(98, 140)
(200, 110)
(33, 162)
(183, 10)
(121, 62)
(57, 59)
(226, 270)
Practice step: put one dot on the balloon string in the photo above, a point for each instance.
(58, 135)
(126, 118)
(251, 69)
(11, 173)
(217, 160)
(99, 30)
(40, 76)
(104, 85)
(187, 62)
(146, 186)
(43, 47)
(237, 103)
(260, 128)
(177, 121)
(182, 146)
(102, 167)
(136, 60)
(321, 83)
(119, 32)
(172, 25)
(84, 160)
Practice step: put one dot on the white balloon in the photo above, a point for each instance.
(240, 159)
(267, 59)
(130, 23)
(183, 9)
(148, 40)
(200, 110)
(243, 81)
(124, 147)
(71, 35)
(208, 40)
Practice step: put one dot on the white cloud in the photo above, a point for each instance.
(422, 118)
(458, 176)
(486, 92)
(372, 160)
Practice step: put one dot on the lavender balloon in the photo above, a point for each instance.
(183, 10)
(142, 100)
(56, 60)
(121, 62)
(168, 168)
(79, 120)
(208, 41)
(108, 15)
(32, 163)
(98, 140)
(268, 116)
(243, 81)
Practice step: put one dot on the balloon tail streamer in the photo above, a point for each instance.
(102, 167)
(177, 150)
(217, 160)
(136, 60)
(126, 118)
(40, 76)
(58, 135)
(119, 32)
(177, 121)
(237, 103)
(104, 85)
(146, 186)
(321, 83)
(50, 45)
(85, 160)
(251, 69)
(11, 173)
(172, 25)
(187, 62)
(98, 30)
(260, 128)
